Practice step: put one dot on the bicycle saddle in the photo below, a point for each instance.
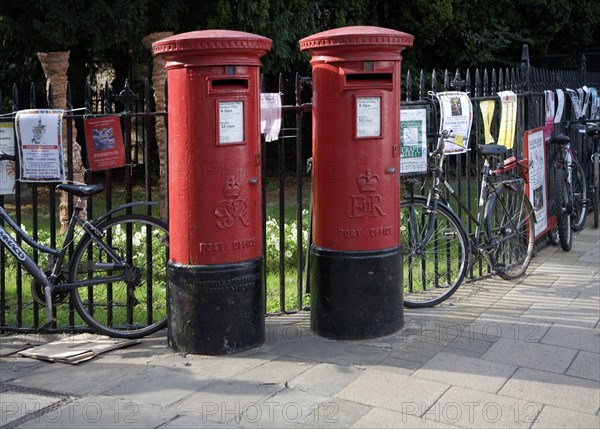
(82, 191)
(593, 131)
(491, 149)
(560, 139)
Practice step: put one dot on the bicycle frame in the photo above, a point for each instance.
(487, 188)
(50, 283)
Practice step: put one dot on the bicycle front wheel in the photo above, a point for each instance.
(561, 208)
(509, 228)
(135, 305)
(433, 268)
(579, 197)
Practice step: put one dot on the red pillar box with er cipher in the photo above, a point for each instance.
(355, 260)
(215, 285)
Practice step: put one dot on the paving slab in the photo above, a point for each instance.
(470, 408)
(383, 418)
(324, 379)
(15, 367)
(555, 418)
(560, 314)
(78, 380)
(335, 413)
(466, 372)
(102, 412)
(562, 391)
(195, 421)
(17, 404)
(289, 407)
(493, 326)
(586, 365)
(390, 390)
(224, 402)
(575, 337)
(531, 355)
(159, 386)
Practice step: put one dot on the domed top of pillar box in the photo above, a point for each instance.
(356, 43)
(213, 47)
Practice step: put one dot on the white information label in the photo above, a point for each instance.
(368, 116)
(231, 122)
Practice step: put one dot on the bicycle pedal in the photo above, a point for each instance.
(48, 325)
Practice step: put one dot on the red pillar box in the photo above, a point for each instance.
(216, 303)
(356, 267)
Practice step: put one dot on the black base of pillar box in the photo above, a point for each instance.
(215, 309)
(356, 295)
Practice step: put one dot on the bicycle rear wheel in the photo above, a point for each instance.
(135, 306)
(561, 208)
(596, 179)
(579, 197)
(509, 227)
(432, 270)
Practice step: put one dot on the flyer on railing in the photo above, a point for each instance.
(535, 152)
(508, 118)
(39, 137)
(595, 107)
(560, 96)
(7, 168)
(270, 115)
(104, 140)
(550, 112)
(413, 141)
(456, 116)
(487, 115)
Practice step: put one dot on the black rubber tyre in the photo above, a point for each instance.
(579, 197)
(596, 178)
(561, 209)
(130, 308)
(553, 237)
(509, 227)
(434, 270)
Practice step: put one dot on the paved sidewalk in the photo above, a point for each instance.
(499, 354)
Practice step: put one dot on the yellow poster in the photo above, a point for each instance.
(487, 114)
(508, 118)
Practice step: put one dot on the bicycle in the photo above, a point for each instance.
(437, 250)
(116, 274)
(593, 131)
(570, 192)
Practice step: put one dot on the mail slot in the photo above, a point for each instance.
(355, 262)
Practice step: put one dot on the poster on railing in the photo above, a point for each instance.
(413, 141)
(575, 102)
(39, 137)
(508, 118)
(535, 152)
(560, 107)
(456, 116)
(7, 168)
(595, 108)
(584, 95)
(487, 108)
(104, 142)
(270, 115)
(549, 122)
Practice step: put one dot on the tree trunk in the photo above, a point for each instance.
(159, 75)
(55, 65)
